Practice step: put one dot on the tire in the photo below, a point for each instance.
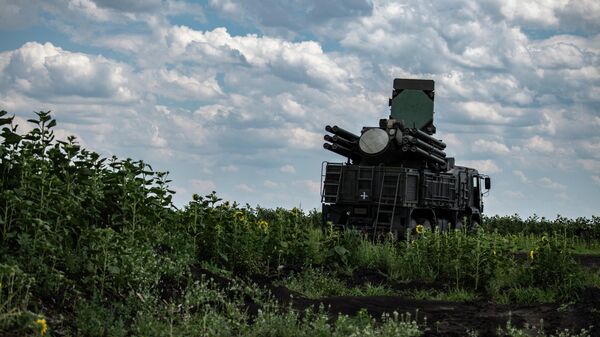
(459, 224)
(427, 224)
(413, 224)
(442, 224)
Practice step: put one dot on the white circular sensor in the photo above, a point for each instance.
(373, 141)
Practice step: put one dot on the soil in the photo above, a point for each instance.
(588, 261)
(443, 318)
(456, 318)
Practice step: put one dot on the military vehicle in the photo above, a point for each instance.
(397, 176)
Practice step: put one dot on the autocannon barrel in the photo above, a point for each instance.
(343, 151)
(428, 155)
(427, 138)
(336, 130)
(425, 146)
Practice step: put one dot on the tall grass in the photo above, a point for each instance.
(581, 228)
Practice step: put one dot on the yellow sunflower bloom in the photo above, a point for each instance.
(263, 224)
(295, 211)
(43, 326)
(240, 216)
(420, 229)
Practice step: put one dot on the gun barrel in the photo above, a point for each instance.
(342, 151)
(336, 130)
(425, 146)
(428, 155)
(427, 138)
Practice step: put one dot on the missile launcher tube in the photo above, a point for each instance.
(339, 140)
(336, 130)
(343, 141)
(342, 151)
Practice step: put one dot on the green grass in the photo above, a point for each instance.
(456, 295)
(317, 283)
(509, 330)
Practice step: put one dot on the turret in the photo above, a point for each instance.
(404, 139)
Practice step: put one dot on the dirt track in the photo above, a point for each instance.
(455, 318)
(588, 261)
(446, 318)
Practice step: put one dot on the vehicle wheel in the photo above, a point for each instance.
(412, 225)
(459, 224)
(443, 224)
(427, 224)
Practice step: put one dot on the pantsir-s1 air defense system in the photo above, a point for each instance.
(397, 175)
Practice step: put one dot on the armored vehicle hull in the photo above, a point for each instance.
(393, 199)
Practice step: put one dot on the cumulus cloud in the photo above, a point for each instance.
(46, 71)
(270, 184)
(303, 62)
(522, 177)
(203, 186)
(173, 84)
(214, 111)
(245, 188)
(230, 168)
(533, 12)
(569, 14)
(157, 139)
(274, 16)
(18, 14)
(490, 146)
(313, 186)
(484, 166)
(553, 185)
(539, 144)
(287, 169)
(583, 14)
(483, 113)
(590, 164)
(129, 5)
(514, 195)
(83, 14)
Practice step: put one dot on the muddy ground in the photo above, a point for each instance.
(444, 318)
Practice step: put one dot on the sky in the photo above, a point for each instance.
(233, 96)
